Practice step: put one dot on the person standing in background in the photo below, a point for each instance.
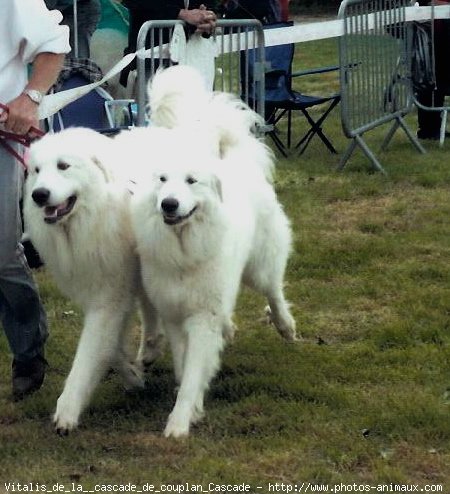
(194, 13)
(29, 34)
(265, 11)
(429, 122)
(88, 17)
(284, 10)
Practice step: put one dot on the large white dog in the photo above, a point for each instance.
(205, 218)
(77, 216)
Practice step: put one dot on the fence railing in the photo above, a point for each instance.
(375, 75)
(239, 59)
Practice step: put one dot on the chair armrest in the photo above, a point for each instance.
(275, 73)
(319, 70)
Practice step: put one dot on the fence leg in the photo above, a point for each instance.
(369, 154)
(357, 140)
(347, 154)
(411, 136)
(389, 135)
(443, 127)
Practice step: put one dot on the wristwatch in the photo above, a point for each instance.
(34, 95)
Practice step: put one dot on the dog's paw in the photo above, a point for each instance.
(228, 331)
(176, 427)
(285, 324)
(268, 314)
(152, 349)
(65, 419)
(133, 377)
(197, 414)
(286, 328)
(61, 431)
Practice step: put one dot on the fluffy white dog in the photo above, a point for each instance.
(77, 216)
(205, 218)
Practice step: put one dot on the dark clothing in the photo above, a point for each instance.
(88, 17)
(430, 121)
(159, 9)
(146, 10)
(251, 9)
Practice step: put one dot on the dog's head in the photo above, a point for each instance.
(64, 173)
(185, 192)
(177, 181)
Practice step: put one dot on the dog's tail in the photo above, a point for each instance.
(236, 125)
(178, 97)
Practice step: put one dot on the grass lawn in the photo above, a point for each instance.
(364, 398)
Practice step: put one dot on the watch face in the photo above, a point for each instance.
(34, 95)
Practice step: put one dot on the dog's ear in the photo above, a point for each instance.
(98, 163)
(217, 187)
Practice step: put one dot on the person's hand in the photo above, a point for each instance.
(204, 20)
(22, 115)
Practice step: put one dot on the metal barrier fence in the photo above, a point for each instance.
(239, 62)
(374, 71)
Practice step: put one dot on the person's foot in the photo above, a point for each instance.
(430, 136)
(28, 376)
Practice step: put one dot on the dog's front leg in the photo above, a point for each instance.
(178, 344)
(96, 351)
(152, 335)
(201, 362)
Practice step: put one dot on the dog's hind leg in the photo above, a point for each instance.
(268, 280)
(270, 285)
(229, 330)
(97, 350)
(265, 272)
(152, 337)
(201, 362)
(280, 316)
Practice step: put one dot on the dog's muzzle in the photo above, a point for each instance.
(52, 213)
(40, 196)
(169, 207)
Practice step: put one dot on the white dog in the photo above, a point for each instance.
(205, 218)
(77, 216)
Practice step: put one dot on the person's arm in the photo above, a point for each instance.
(204, 20)
(23, 111)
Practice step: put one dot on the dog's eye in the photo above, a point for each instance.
(191, 180)
(163, 178)
(37, 170)
(62, 166)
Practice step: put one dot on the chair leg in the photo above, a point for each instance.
(278, 143)
(289, 129)
(315, 128)
(273, 119)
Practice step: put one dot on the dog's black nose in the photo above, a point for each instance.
(169, 205)
(40, 196)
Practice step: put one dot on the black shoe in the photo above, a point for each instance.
(28, 376)
(430, 136)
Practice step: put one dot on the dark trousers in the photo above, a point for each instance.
(21, 313)
(430, 121)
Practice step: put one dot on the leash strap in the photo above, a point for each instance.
(24, 140)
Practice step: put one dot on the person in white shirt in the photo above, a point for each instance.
(29, 34)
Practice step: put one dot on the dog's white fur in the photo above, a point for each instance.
(227, 226)
(92, 256)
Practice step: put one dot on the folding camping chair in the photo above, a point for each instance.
(87, 111)
(282, 100)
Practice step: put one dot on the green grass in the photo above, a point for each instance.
(363, 398)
